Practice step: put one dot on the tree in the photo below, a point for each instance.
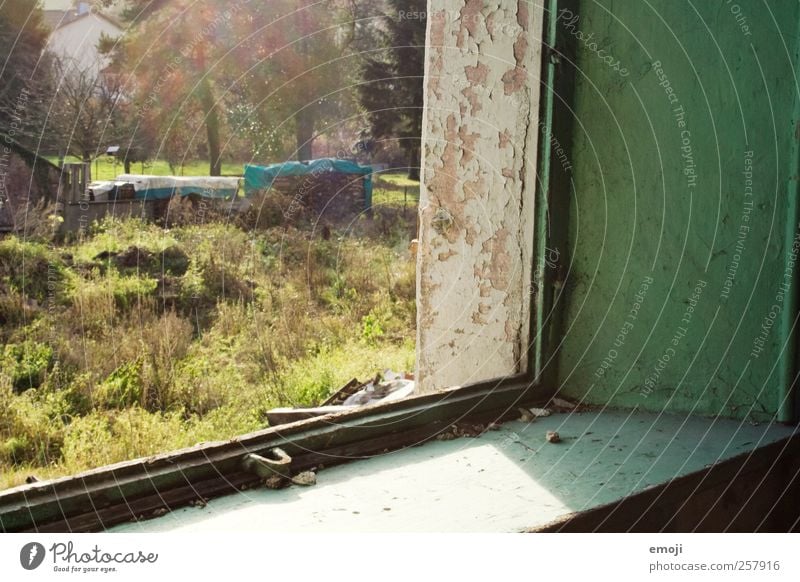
(253, 72)
(24, 74)
(391, 91)
(172, 78)
(87, 115)
(299, 74)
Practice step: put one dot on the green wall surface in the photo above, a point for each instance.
(677, 289)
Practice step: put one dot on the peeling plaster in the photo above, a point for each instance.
(481, 96)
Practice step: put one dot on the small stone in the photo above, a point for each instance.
(561, 403)
(274, 482)
(552, 437)
(306, 478)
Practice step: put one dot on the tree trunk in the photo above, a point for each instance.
(212, 126)
(304, 132)
(413, 163)
(87, 159)
(127, 166)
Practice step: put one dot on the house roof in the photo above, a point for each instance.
(57, 4)
(55, 19)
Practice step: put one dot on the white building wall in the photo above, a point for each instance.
(77, 41)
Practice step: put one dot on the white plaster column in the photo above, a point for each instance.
(480, 129)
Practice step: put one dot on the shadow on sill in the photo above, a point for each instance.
(613, 471)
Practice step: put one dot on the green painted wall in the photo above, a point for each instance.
(673, 265)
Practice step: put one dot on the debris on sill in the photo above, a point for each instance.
(531, 414)
(385, 387)
(557, 404)
(305, 479)
(552, 437)
(465, 429)
(159, 512)
(275, 468)
(275, 482)
(561, 403)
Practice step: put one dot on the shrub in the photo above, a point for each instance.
(15, 310)
(372, 328)
(29, 432)
(164, 343)
(112, 236)
(100, 296)
(101, 438)
(122, 388)
(26, 364)
(270, 209)
(88, 442)
(30, 269)
(140, 261)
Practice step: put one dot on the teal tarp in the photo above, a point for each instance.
(261, 177)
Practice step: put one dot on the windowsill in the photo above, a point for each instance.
(505, 480)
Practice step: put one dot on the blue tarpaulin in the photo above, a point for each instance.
(262, 177)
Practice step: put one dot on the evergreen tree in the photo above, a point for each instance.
(23, 71)
(391, 91)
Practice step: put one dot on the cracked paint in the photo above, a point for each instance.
(481, 100)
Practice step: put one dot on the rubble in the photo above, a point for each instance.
(306, 478)
(540, 412)
(386, 387)
(464, 429)
(562, 405)
(531, 414)
(275, 482)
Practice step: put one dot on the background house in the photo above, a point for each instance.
(25, 179)
(77, 29)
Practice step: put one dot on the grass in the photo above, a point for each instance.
(138, 339)
(398, 179)
(395, 190)
(104, 168)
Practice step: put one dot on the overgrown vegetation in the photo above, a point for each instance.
(139, 339)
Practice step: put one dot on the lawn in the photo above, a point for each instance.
(395, 190)
(398, 179)
(105, 168)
